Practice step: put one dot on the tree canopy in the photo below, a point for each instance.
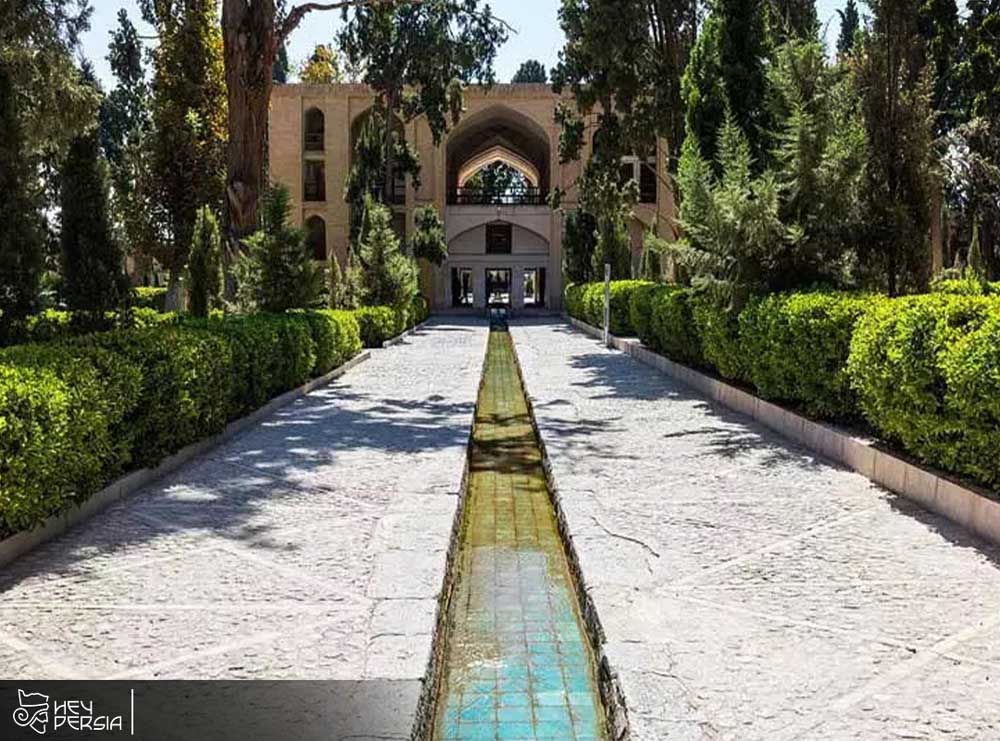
(530, 70)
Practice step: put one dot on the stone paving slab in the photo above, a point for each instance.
(748, 588)
(313, 546)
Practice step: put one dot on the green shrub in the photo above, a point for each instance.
(719, 331)
(796, 345)
(419, 310)
(965, 287)
(337, 338)
(673, 329)
(74, 413)
(915, 362)
(574, 299)
(61, 416)
(377, 324)
(640, 309)
(971, 368)
(586, 302)
(185, 386)
(148, 297)
(43, 459)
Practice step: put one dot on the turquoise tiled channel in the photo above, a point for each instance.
(517, 664)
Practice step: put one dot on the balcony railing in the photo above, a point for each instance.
(521, 196)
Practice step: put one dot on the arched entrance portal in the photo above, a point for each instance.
(498, 222)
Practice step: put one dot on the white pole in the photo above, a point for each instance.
(607, 304)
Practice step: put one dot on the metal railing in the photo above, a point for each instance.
(521, 196)
(314, 142)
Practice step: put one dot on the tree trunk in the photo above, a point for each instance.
(388, 190)
(250, 45)
(174, 298)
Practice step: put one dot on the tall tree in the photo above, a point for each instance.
(189, 115)
(94, 280)
(974, 168)
(896, 94)
(938, 25)
(624, 60)
(530, 70)
(850, 22)
(281, 67)
(728, 73)
(45, 105)
(416, 57)
(21, 251)
(125, 128)
(322, 67)
(793, 19)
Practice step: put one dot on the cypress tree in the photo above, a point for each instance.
(92, 259)
(21, 252)
(850, 21)
(205, 264)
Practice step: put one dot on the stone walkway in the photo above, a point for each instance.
(311, 547)
(748, 589)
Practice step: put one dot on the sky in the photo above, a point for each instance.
(538, 34)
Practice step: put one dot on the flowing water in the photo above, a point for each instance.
(518, 664)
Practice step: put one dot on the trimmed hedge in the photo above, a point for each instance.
(927, 373)
(75, 413)
(674, 332)
(795, 348)
(148, 297)
(924, 370)
(381, 323)
(586, 302)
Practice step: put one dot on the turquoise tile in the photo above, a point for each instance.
(514, 714)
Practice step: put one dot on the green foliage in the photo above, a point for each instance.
(623, 60)
(277, 271)
(76, 413)
(149, 297)
(579, 246)
(428, 241)
(389, 278)
(674, 331)
(322, 67)
(187, 163)
(976, 269)
(796, 347)
(965, 287)
(640, 309)
(610, 202)
(850, 23)
(925, 369)
(92, 261)
(894, 88)
(653, 249)
(586, 302)
(733, 230)
(21, 232)
(415, 58)
(719, 331)
(376, 324)
(205, 264)
(530, 70)
(726, 78)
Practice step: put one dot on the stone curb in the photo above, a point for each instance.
(403, 335)
(966, 505)
(20, 543)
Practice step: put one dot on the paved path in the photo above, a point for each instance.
(310, 547)
(748, 589)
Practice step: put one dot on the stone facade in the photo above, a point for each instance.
(515, 122)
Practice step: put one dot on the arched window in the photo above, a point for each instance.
(315, 130)
(316, 237)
